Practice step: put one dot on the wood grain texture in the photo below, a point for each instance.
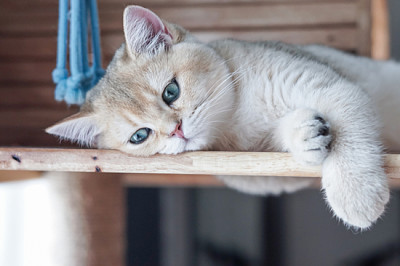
(44, 48)
(33, 5)
(380, 36)
(8, 176)
(364, 26)
(42, 21)
(205, 163)
(252, 15)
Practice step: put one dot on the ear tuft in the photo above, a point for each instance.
(79, 128)
(144, 31)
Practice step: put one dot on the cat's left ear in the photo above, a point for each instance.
(144, 31)
(80, 128)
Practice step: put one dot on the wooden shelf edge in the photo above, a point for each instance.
(197, 163)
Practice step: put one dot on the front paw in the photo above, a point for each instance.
(309, 137)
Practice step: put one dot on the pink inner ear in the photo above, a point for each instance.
(153, 19)
(139, 38)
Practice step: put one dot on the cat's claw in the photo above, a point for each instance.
(310, 137)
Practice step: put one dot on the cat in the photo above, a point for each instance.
(166, 92)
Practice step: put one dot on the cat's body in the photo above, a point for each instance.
(282, 64)
(286, 66)
(166, 92)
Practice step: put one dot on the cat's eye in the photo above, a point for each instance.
(171, 92)
(140, 136)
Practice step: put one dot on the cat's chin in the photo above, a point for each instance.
(184, 145)
(195, 144)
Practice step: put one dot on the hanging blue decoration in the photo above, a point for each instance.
(72, 87)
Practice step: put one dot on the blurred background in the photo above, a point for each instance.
(43, 223)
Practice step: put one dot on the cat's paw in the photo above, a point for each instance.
(358, 207)
(308, 136)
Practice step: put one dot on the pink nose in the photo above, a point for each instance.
(178, 131)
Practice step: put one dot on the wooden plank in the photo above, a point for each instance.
(217, 17)
(341, 37)
(27, 71)
(8, 5)
(38, 48)
(268, 16)
(87, 160)
(204, 163)
(24, 125)
(24, 63)
(364, 26)
(197, 2)
(28, 48)
(29, 96)
(26, 118)
(380, 36)
(30, 137)
(8, 176)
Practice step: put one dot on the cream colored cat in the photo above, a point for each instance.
(166, 92)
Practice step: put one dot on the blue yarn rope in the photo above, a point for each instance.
(72, 89)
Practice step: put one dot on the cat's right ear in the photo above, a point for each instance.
(144, 31)
(80, 128)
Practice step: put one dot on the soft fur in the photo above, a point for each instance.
(324, 106)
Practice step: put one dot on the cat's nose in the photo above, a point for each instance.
(178, 131)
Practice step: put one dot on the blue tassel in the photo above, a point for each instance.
(73, 88)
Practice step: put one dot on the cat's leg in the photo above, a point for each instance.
(306, 134)
(345, 140)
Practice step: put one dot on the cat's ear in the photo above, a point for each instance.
(79, 128)
(144, 31)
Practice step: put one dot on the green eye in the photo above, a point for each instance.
(171, 92)
(140, 135)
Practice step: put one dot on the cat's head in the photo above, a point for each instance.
(164, 92)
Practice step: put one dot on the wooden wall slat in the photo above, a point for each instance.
(8, 5)
(28, 48)
(248, 16)
(33, 48)
(217, 17)
(380, 35)
(32, 59)
(364, 27)
(262, 16)
(35, 117)
(15, 97)
(33, 71)
(30, 137)
(340, 37)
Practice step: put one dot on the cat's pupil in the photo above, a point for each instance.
(140, 135)
(171, 92)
